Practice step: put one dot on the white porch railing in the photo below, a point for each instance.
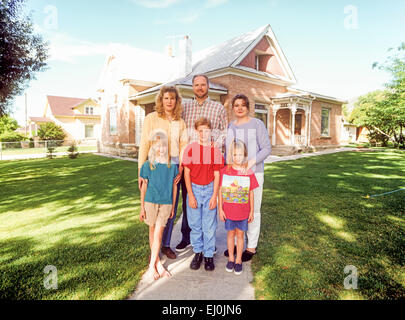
(300, 140)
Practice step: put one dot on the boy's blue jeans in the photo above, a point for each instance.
(202, 221)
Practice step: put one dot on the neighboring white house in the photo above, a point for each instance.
(79, 118)
(349, 133)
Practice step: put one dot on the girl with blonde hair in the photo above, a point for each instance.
(167, 119)
(236, 201)
(158, 198)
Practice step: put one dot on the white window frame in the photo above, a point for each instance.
(263, 111)
(257, 62)
(89, 110)
(325, 108)
(113, 108)
(88, 125)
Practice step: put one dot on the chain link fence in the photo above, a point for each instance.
(39, 149)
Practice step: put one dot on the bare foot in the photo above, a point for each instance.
(152, 272)
(162, 270)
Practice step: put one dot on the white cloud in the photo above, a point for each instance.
(66, 48)
(186, 19)
(156, 4)
(215, 3)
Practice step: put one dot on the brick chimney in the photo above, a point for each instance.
(185, 57)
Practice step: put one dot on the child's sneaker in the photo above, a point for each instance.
(230, 266)
(238, 269)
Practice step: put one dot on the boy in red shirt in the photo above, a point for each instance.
(202, 164)
(236, 201)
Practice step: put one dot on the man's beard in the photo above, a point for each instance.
(201, 96)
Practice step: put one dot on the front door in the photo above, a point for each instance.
(298, 124)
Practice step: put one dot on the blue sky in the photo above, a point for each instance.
(330, 44)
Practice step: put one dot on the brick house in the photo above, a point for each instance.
(253, 64)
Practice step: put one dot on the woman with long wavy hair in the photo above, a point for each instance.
(167, 117)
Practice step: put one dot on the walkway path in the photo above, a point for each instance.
(187, 284)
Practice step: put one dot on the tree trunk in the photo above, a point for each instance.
(383, 133)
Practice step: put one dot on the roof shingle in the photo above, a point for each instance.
(63, 106)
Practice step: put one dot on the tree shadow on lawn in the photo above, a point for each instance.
(81, 217)
(316, 222)
(65, 181)
(105, 266)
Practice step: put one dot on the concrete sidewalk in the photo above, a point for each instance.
(187, 284)
(306, 155)
(36, 155)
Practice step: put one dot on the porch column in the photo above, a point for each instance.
(275, 110)
(310, 123)
(307, 126)
(293, 112)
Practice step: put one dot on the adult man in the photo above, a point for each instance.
(200, 107)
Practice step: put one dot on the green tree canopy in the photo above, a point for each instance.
(7, 124)
(51, 131)
(22, 53)
(383, 112)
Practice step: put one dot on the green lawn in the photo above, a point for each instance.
(82, 217)
(315, 222)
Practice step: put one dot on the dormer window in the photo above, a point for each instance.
(89, 110)
(257, 62)
(262, 61)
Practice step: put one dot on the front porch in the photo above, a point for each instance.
(291, 124)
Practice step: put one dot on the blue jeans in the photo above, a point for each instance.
(167, 233)
(202, 221)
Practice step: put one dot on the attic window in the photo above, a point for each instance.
(261, 61)
(257, 62)
(89, 110)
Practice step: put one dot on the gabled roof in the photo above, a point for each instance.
(225, 54)
(228, 55)
(63, 106)
(232, 52)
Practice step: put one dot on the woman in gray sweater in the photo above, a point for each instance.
(254, 134)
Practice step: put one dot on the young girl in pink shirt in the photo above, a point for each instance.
(236, 201)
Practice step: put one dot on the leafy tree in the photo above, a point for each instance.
(51, 131)
(383, 112)
(51, 152)
(393, 103)
(7, 124)
(345, 110)
(11, 136)
(72, 151)
(22, 53)
(368, 113)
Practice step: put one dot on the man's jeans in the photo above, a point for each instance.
(185, 229)
(202, 221)
(167, 233)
